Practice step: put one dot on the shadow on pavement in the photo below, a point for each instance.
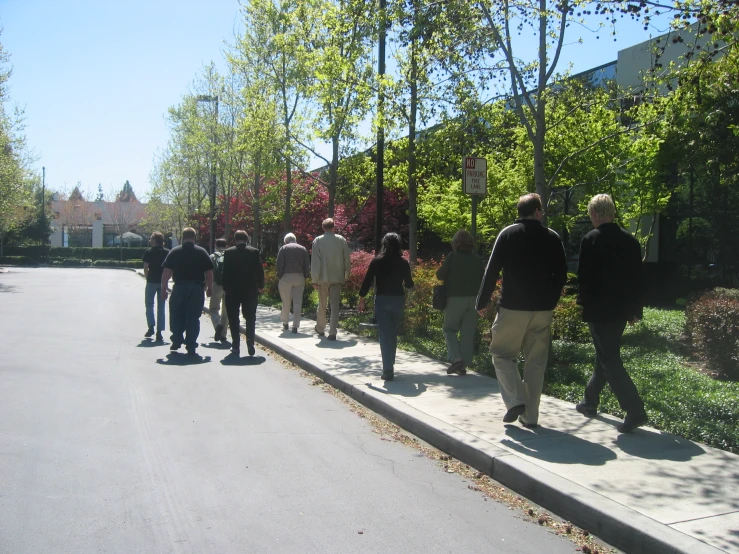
(653, 445)
(234, 359)
(569, 450)
(337, 344)
(407, 389)
(8, 288)
(176, 358)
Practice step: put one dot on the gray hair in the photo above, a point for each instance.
(289, 238)
(602, 206)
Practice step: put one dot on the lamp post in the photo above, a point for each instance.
(212, 215)
(380, 177)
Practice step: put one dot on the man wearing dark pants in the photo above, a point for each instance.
(153, 259)
(192, 269)
(243, 280)
(609, 279)
(534, 267)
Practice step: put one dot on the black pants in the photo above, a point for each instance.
(610, 369)
(248, 307)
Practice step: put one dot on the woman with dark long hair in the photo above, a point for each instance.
(389, 271)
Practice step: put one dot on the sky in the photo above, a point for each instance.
(96, 78)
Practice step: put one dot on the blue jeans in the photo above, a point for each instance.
(389, 314)
(154, 289)
(185, 308)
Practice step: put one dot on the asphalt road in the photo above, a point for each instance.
(109, 444)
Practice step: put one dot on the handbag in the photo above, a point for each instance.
(439, 299)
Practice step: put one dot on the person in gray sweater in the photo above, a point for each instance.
(293, 268)
(461, 272)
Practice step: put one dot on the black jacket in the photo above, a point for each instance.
(534, 267)
(609, 275)
(243, 273)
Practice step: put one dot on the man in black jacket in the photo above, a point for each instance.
(534, 267)
(243, 280)
(609, 279)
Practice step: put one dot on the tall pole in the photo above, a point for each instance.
(43, 200)
(212, 227)
(379, 185)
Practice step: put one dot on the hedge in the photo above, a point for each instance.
(44, 253)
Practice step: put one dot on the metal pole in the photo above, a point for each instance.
(43, 200)
(379, 184)
(212, 226)
(474, 219)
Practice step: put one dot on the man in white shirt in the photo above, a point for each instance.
(330, 266)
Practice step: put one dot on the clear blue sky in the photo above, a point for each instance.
(96, 77)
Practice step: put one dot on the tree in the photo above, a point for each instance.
(343, 76)
(126, 194)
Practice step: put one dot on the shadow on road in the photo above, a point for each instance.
(176, 358)
(216, 345)
(337, 344)
(8, 288)
(234, 359)
(149, 343)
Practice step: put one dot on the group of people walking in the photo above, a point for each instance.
(238, 280)
(530, 257)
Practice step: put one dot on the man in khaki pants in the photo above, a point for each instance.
(534, 267)
(330, 265)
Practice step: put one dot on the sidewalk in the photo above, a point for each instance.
(647, 492)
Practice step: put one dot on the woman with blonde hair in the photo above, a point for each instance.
(462, 273)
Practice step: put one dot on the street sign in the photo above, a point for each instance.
(474, 176)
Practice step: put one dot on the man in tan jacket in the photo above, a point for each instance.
(330, 265)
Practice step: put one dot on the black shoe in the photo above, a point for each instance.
(175, 346)
(223, 339)
(149, 332)
(250, 348)
(586, 409)
(513, 413)
(235, 349)
(219, 332)
(527, 425)
(191, 352)
(285, 326)
(456, 367)
(295, 330)
(387, 376)
(319, 333)
(159, 337)
(631, 422)
(331, 337)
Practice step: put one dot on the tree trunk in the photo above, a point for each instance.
(333, 175)
(412, 184)
(256, 208)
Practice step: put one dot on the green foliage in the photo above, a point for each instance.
(18, 260)
(567, 323)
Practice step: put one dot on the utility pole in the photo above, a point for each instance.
(43, 200)
(212, 212)
(380, 178)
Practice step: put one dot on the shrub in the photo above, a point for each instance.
(567, 323)
(712, 323)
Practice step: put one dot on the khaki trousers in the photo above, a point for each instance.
(291, 288)
(512, 331)
(328, 292)
(217, 308)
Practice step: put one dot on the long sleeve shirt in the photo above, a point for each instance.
(534, 268)
(389, 276)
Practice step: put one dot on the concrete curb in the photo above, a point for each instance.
(619, 526)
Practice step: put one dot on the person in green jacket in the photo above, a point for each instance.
(462, 273)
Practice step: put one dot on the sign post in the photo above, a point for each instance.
(474, 183)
